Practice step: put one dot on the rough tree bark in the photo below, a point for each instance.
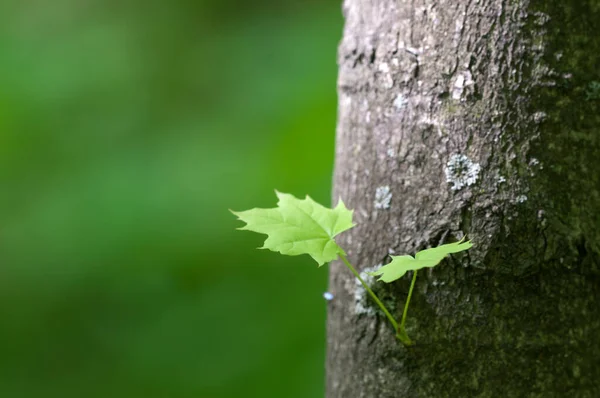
(475, 117)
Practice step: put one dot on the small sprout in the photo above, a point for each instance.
(302, 226)
(461, 171)
(383, 197)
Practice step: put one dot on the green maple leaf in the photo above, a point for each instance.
(300, 226)
(425, 258)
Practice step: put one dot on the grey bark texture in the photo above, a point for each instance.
(477, 117)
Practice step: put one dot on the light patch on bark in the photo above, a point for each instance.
(361, 296)
(521, 199)
(383, 197)
(461, 171)
(539, 117)
(462, 81)
(400, 102)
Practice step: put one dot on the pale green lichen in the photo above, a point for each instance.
(461, 171)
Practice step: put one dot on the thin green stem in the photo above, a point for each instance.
(368, 289)
(412, 285)
(401, 330)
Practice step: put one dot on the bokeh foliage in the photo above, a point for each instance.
(127, 129)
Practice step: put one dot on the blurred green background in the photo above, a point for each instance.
(127, 129)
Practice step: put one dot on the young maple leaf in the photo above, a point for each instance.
(300, 226)
(425, 258)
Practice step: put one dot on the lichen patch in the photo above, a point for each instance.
(462, 81)
(400, 102)
(383, 197)
(384, 67)
(361, 305)
(461, 171)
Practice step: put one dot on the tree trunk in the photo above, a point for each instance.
(475, 117)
